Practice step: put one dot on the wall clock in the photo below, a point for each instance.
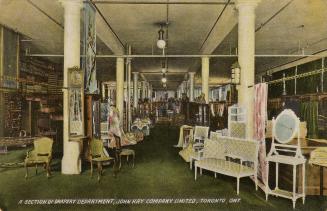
(286, 126)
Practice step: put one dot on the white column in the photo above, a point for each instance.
(246, 48)
(191, 78)
(135, 89)
(150, 92)
(185, 88)
(108, 92)
(205, 78)
(103, 91)
(129, 75)
(143, 90)
(71, 163)
(180, 91)
(120, 88)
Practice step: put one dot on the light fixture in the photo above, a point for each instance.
(236, 73)
(163, 67)
(164, 85)
(164, 79)
(161, 43)
(284, 85)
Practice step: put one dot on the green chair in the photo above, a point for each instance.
(97, 156)
(41, 154)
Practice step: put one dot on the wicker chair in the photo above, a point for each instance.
(41, 154)
(98, 156)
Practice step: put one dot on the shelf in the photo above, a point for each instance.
(284, 159)
(285, 194)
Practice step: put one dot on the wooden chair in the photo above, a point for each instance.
(41, 154)
(98, 156)
(119, 152)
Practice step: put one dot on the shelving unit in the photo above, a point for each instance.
(13, 115)
(237, 122)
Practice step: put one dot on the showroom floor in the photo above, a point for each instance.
(159, 173)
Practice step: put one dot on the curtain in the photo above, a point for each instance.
(260, 117)
(309, 113)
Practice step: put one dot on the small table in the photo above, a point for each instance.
(321, 175)
(318, 157)
(288, 160)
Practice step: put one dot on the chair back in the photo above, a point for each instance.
(201, 132)
(43, 146)
(214, 149)
(246, 149)
(96, 148)
(215, 135)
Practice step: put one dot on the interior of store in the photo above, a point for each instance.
(195, 101)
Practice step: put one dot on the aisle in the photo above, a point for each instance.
(159, 173)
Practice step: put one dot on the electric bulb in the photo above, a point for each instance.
(161, 44)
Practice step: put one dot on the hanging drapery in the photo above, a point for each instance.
(89, 49)
(76, 118)
(260, 116)
(322, 118)
(309, 114)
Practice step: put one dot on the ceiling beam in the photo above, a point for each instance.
(219, 2)
(159, 73)
(106, 33)
(168, 81)
(178, 56)
(225, 22)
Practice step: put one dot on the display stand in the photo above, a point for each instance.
(286, 127)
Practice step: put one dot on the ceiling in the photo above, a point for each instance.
(282, 27)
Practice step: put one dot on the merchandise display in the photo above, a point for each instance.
(170, 105)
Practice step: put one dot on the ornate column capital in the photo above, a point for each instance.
(191, 74)
(66, 3)
(240, 3)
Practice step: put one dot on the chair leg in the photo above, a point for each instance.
(114, 168)
(99, 171)
(195, 171)
(26, 170)
(133, 160)
(119, 162)
(48, 169)
(238, 186)
(36, 169)
(91, 168)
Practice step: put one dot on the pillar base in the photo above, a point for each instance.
(71, 162)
